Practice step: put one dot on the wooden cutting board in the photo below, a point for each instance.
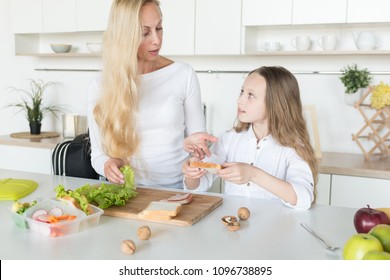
(200, 206)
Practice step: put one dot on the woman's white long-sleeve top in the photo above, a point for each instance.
(170, 109)
(268, 155)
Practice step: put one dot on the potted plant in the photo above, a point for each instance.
(354, 80)
(33, 106)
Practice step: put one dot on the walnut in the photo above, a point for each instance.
(233, 226)
(243, 213)
(144, 233)
(128, 247)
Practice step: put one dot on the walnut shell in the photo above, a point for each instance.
(233, 226)
(144, 233)
(128, 247)
(228, 219)
(243, 213)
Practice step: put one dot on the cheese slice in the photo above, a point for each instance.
(162, 208)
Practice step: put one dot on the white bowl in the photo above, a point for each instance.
(95, 47)
(61, 48)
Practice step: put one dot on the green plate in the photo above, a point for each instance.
(13, 189)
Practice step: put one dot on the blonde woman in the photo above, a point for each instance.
(268, 153)
(143, 105)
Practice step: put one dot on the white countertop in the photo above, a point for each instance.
(272, 232)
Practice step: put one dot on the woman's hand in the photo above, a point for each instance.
(237, 173)
(197, 144)
(112, 171)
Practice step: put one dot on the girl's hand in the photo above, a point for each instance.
(192, 172)
(112, 171)
(237, 173)
(197, 144)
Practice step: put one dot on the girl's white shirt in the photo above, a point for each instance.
(170, 109)
(268, 155)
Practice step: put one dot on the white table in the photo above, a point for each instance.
(272, 232)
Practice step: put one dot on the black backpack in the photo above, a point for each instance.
(73, 158)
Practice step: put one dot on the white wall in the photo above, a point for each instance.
(337, 121)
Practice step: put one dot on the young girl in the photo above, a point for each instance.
(268, 153)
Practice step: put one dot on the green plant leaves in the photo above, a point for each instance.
(353, 78)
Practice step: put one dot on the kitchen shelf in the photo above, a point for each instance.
(61, 54)
(293, 53)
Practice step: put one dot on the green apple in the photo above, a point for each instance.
(360, 244)
(377, 255)
(382, 233)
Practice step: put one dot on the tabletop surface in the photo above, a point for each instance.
(273, 231)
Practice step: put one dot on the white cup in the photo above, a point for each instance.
(301, 43)
(328, 42)
(271, 46)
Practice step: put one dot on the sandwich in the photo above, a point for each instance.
(209, 166)
(74, 199)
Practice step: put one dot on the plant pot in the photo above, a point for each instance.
(352, 98)
(35, 128)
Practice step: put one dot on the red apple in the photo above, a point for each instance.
(366, 218)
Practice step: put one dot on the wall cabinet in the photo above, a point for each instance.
(179, 27)
(26, 16)
(37, 23)
(218, 27)
(363, 11)
(92, 15)
(319, 11)
(265, 12)
(59, 16)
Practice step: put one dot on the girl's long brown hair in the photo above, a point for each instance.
(116, 112)
(286, 122)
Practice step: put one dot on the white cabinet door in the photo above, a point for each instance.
(265, 12)
(26, 16)
(59, 16)
(323, 189)
(357, 192)
(92, 15)
(368, 11)
(28, 159)
(218, 27)
(178, 26)
(319, 11)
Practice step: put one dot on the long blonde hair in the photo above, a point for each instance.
(117, 110)
(286, 122)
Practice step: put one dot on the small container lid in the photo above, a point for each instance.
(13, 189)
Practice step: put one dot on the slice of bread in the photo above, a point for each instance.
(162, 208)
(206, 165)
(141, 215)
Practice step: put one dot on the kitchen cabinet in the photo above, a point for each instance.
(92, 15)
(363, 11)
(357, 192)
(265, 12)
(323, 189)
(59, 16)
(56, 21)
(31, 159)
(178, 26)
(26, 16)
(218, 27)
(319, 11)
